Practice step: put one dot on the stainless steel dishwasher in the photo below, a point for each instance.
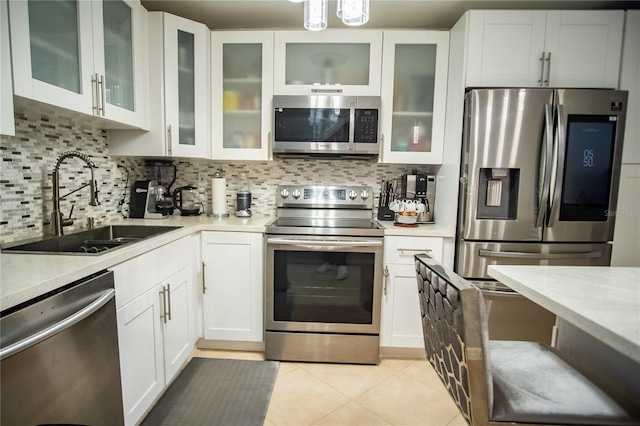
(59, 361)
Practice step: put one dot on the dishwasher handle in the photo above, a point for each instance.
(34, 339)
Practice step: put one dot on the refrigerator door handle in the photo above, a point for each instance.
(561, 146)
(545, 168)
(593, 254)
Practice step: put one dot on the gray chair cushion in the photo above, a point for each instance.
(532, 384)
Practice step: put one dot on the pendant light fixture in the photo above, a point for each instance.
(353, 12)
(315, 15)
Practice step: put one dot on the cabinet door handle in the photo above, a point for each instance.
(326, 90)
(270, 146)
(169, 301)
(548, 60)
(169, 141)
(102, 95)
(541, 79)
(95, 94)
(386, 279)
(163, 293)
(204, 281)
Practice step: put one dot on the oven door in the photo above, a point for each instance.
(321, 284)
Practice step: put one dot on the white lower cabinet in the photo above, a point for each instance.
(400, 325)
(233, 286)
(154, 318)
(141, 354)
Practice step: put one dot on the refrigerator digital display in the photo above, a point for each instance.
(588, 166)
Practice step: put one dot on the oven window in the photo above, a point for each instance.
(323, 287)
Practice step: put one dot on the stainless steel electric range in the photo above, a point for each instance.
(323, 276)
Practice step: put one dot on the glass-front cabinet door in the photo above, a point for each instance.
(340, 61)
(49, 62)
(85, 56)
(242, 88)
(120, 62)
(414, 84)
(186, 86)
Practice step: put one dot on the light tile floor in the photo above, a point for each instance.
(395, 392)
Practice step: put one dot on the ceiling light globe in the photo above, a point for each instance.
(354, 12)
(315, 15)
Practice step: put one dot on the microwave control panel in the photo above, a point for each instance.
(366, 126)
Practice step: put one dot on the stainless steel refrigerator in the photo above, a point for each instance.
(538, 185)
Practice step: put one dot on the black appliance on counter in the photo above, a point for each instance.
(149, 200)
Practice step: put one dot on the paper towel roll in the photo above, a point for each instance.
(219, 197)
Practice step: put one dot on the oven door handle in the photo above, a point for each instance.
(325, 244)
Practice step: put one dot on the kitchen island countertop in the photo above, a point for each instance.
(602, 301)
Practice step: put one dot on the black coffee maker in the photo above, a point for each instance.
(149, 201)
(151, 198)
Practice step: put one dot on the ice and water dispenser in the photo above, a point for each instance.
(498, 193)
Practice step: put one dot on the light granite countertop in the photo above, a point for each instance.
(422, 230)
(25, 276)
(601, 301)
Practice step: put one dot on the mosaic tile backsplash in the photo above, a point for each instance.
(29, 157)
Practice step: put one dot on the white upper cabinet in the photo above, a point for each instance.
(414, 89)
(84, 56)
(544, 48)
(242, 88)
(7, 126)
(333, 61)
(178, 55)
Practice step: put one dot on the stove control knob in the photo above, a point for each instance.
(353, 194)
(364, 195)
(296, 193)
(284, 193)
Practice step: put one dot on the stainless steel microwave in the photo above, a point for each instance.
(326, 124)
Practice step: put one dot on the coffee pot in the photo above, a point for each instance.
(187, 200)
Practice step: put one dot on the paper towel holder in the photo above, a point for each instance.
(219, 197)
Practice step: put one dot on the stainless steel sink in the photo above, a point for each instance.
(90, 242)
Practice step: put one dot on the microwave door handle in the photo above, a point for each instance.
(560, 158)
(352, 124)
(545, 167)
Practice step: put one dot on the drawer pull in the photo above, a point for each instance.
(403, 250)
